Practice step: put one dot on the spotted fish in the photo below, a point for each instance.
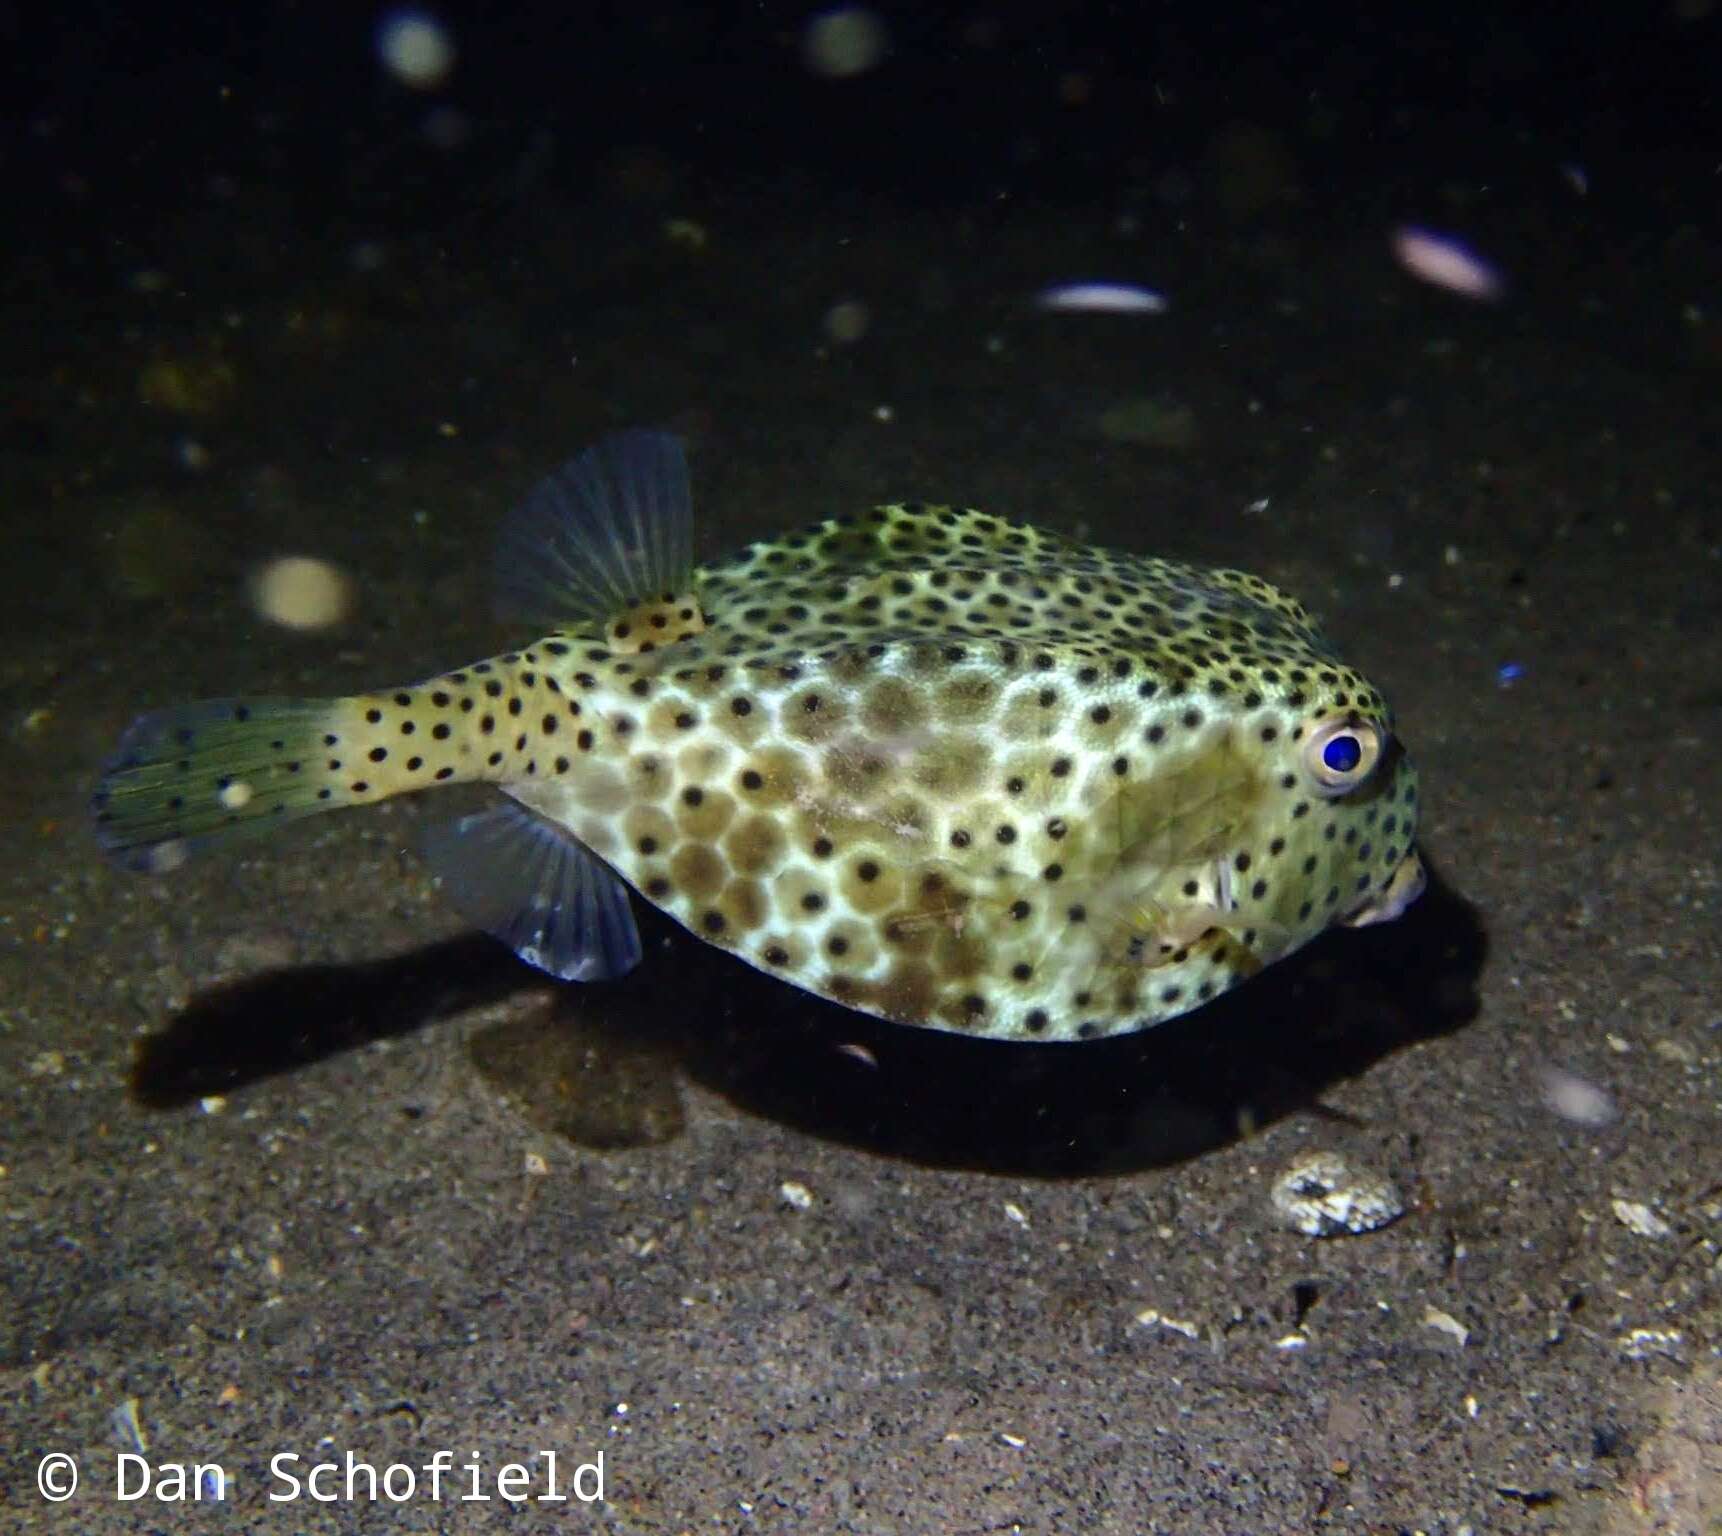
(939, 766)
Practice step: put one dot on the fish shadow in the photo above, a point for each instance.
(242, 1032)
(1164, 1095)
(1266, 1050)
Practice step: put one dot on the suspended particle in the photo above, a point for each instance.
(847, 321)
(1577, 1099)
(1446, 261)
(415, 48)
(844, 41)
(1102, 299)
(298, 592)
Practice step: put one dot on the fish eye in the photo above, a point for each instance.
(1340, 754)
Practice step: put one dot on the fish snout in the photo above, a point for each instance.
(1404, 888)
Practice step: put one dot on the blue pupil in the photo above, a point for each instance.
(1342, 754)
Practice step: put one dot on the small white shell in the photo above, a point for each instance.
(1324, 1194)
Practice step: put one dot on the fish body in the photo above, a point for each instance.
(936, 765)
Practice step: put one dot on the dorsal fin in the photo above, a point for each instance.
(610, 530)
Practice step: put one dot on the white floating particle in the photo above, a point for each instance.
(799, 1196)
(533, 1164)
(1323, 1194)
(1445, 1322)
(846, 322)
(1014, 1213)
(844, 41)
(415, 48)
(1638, 1217)
(213, 1104)
(1292, 1341)
(298, 592)
(1015, 1442)
(234, 796)
(690, 234)
(1102, 299)
(1576, 1099)
(1446, 261)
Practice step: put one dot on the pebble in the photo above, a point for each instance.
(1638, 1217)
(1326, 1194)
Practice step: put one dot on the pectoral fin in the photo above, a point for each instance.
(536, 887)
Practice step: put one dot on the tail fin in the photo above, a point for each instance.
(186, 778)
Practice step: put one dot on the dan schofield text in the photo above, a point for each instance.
(351, 1479)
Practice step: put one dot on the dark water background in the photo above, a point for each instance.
(298, 1165)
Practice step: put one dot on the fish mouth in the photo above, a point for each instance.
(1404, 888)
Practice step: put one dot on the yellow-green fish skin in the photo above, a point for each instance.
(938, 766)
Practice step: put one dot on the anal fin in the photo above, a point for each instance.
(541, 891)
